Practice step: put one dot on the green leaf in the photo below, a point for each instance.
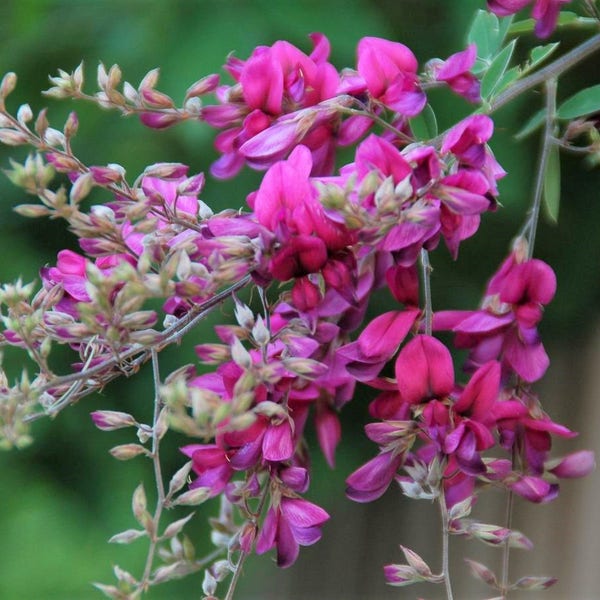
(494, 74)
(508, 78)
(541, 53)
(536, 121)
(488, 33)
(565, 18)
(552, 184)
(584, 102)
(424, 125)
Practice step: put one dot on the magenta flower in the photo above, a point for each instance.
(424, 370)
(545, 12)
(370, 481)
(455, 72)
(275, 83)
(287, 205)
(576, 464)
(293, 523)
(70, 274)
(389, 72)
(506, 327)
(212, 466)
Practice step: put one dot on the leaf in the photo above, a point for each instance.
(508, 78)
(488, 33)
(541, 53)
(496, 70)
(552, 183)
(484, 33)
(565, 18)
(536, 121)
(424, 125)
(584, 102)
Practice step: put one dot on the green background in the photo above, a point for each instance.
(63, 497)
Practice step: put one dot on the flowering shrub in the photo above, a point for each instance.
(319, 239)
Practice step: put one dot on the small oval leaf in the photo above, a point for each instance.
(584, 102)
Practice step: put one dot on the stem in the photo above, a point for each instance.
(426, 265)
(160, 488)
(445, 545)
(547, 142)
(506, 549)
(365, 112)
(137, 355)
(243, 555)
(552, 71)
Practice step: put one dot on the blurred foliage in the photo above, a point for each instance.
(63, 497)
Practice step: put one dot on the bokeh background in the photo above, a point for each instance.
(63, 497)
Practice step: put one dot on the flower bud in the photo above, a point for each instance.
(166, 171)
(24, 114)
(53, 137)
(10, 137)
(203, 86)
(9, 82)
(109, 420)
(127, 451)
(577, 464)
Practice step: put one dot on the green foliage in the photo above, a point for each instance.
(585, 102)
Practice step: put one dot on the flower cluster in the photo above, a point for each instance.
(318, 242)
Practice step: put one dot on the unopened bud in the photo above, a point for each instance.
(109, 420)
(166, 171)
(24, 114)
(150, 80)
(193, 497)
(157, 99)
(128, 451)
(81, 188)
(10, 137)
(203, 86)
(191, 186)
(9, 82)
(53, 137)
(71, 124)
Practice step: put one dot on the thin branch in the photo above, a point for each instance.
(445, 545)
(552, 71)
(129, 361)
(160, 488)
(426, 266)
(506, 549)
(243, 555)
(547, 142)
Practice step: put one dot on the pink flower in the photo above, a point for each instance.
(370, 481)
(506, 326)
(545, 12)
(293, 523)
(424, 370)
(577, 464)
(389, 72)
(377, 343)
(268, 111)
(455, 71)
(287, 205)
(70, 274)
(212, 466)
